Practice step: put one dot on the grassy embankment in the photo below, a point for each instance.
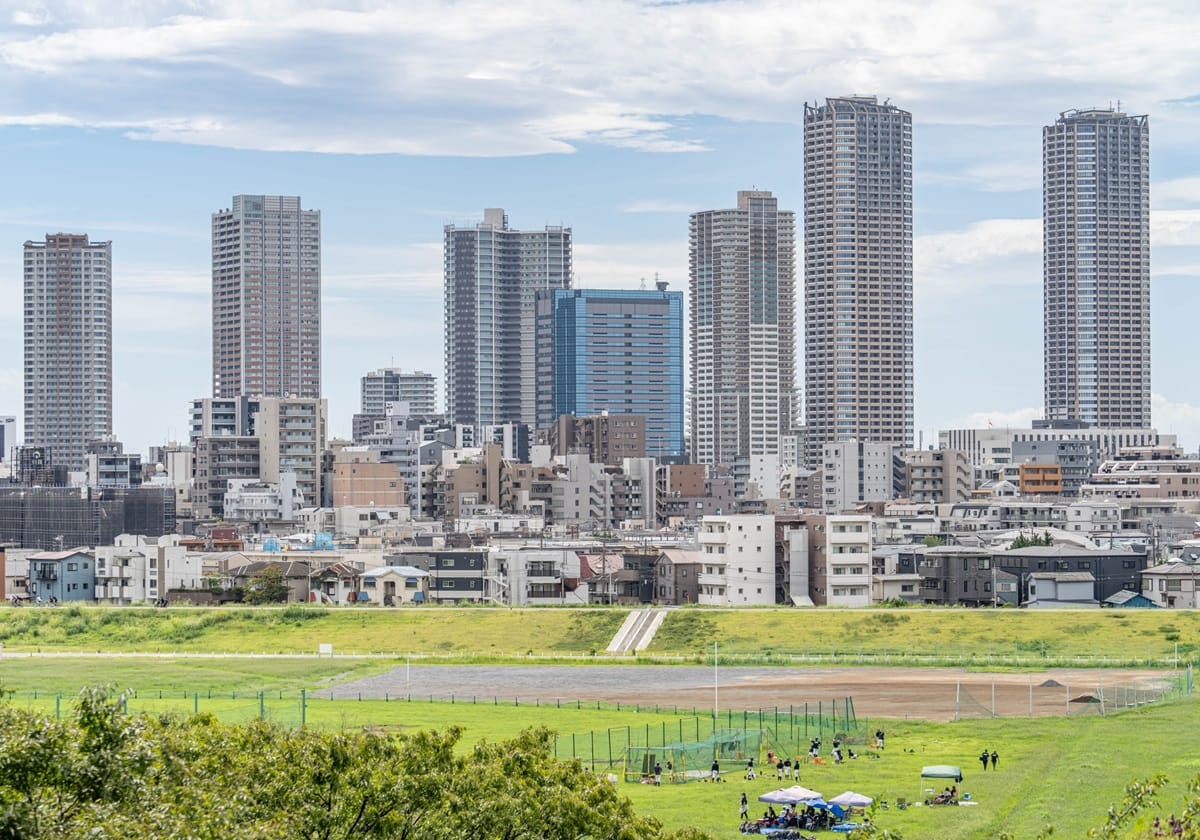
(987, 638)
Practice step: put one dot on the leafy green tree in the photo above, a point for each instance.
(932, 541)
(267, 586)
(105, 774)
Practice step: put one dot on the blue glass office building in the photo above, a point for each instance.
(619, 351)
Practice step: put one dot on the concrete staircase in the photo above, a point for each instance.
(637, 631)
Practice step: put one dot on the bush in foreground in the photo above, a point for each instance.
(105, 774)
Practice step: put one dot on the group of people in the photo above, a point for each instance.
(52, 601)
(785, 768)
(949, 796)
(807, 818)
(985, 757)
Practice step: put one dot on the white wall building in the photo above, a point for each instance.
(737, 557)
(248, 500)
(857, 472)
(528, 577)
(137, 569)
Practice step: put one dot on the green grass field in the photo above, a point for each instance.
(66, 675)
(989, 638)
(1065, 771)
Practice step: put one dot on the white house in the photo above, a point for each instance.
(1174, 584)
(394, 586)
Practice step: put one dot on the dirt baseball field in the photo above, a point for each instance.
(936, 694)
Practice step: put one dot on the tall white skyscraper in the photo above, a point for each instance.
(743, 328)
(68, 345)
(1096, 233)
(492, 275)
(858, 273)
(266, 298)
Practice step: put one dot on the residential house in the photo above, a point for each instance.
(1061, 589)
(394, 586)
(677, 577)
(1174, 584)
(64, 575)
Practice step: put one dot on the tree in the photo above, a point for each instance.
(932, 541)
(107, 774)
(267, 586)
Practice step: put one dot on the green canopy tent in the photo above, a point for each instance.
(941, 771)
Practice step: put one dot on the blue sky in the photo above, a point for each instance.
(133, 120)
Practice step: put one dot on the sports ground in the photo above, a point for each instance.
(931, 694)
(1063, 764)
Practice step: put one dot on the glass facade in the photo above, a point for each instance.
(615, 351)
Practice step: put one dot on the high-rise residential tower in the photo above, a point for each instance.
(614, 351)
(1096, 256)
(266, 298)
(858, 273)
(392, 385)
(68, 345)
(743, 328)
(492, 274)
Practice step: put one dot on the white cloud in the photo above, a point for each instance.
(1175, 193)
(459, 77)
(1000, 176)
(1174, 228)
(1177, 418)
(991, 252)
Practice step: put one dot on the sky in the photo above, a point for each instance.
(134, 120)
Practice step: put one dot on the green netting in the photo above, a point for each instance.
(691, 761)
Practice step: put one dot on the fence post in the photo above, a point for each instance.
(58, 707)
(195, 702)
(303, 706)
(262, 705)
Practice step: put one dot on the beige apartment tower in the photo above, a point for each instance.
(743, 328)
(68, 345)
(266, 298)
(858, 273)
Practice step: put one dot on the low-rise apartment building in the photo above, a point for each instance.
(737, 560)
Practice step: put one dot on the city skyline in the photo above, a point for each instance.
(597, 151)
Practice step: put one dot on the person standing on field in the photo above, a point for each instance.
(745, 806)
(995, 758)
(983, 759)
